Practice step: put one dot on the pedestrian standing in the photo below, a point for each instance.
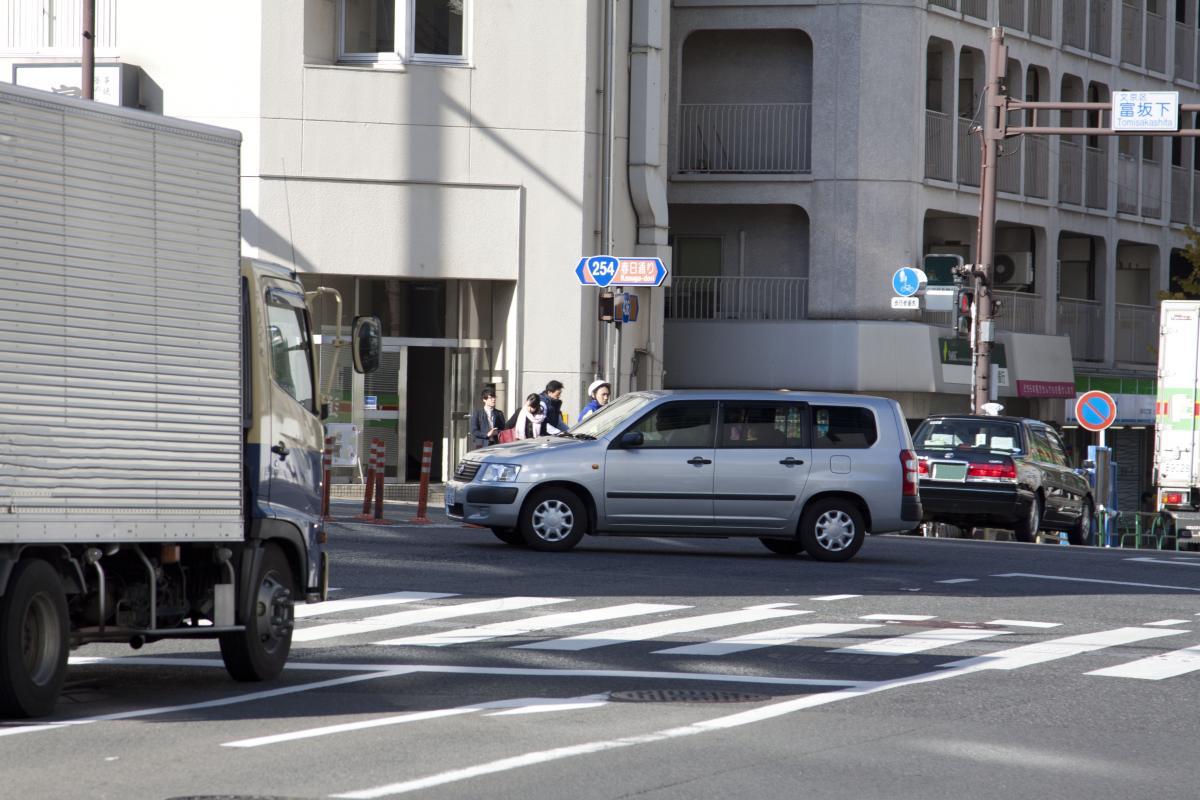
(599, 392)
(552, 401)
(532, 421)
(486, 422)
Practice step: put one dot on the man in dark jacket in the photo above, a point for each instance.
(552, 402)
(486, 422)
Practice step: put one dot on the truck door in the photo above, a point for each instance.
(295, 431)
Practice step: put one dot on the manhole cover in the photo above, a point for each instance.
(685, 696)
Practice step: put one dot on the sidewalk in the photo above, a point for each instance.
(398, 512)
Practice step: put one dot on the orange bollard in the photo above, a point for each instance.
(326, 470)
(380, 469)
(423, 493)
(369, 486)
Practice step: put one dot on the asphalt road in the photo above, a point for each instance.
(451, 665)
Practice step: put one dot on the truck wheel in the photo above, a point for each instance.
(553, 519)
(1081, 533)
(259, 652)
(33, 640)
(832, 530)
(1026, 530)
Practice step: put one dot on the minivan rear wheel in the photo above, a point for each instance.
(783, 547)
(832, 529)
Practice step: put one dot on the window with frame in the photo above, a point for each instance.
(288, 336)
(762, 425)
(843, 428)
(422, 31)
(677, 425)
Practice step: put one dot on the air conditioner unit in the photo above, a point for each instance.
(1012, 269)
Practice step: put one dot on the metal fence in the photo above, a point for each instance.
(1156, 42)
(1008, 169)
(1096, 177)
(1131, 33)
(1180, 194)
(1137, 333)
(1037, 165)
(736, 297)
(1151, 189)
(1127, 183)
(939, 146)
(1012, 14)
(968, 154)
(1070, 172)
(1041, 20)
(1185, 52)
(1082, 321)
(975, 8)
(745, 137)
(1020, 312)
(1074, 31)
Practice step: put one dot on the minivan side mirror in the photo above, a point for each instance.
(632, 439)
(367, 344)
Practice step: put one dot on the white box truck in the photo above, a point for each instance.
(1177, 418)
(160, 418)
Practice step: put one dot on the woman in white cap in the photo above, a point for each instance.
(599, 392)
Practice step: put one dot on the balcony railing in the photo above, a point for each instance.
(1041, 18)
(975, 8)
(1037, 165)
(1185, 52)
(968, 154)
(1008, 169)
(1070, 172)
(1196, 194)
(1156, 43)
(1012, 14)
(939, 146)
(1137, 333)
(1082, 321)
(1127, 183)
(950, 4)
(1100, 27)
(1075, 23)
(1096, 173)
(1131, 33)
(745, 137)
(1151, 189)
(1180, 194)
(737, 298)
(1020, 312)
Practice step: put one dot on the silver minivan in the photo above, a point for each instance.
(802, 471)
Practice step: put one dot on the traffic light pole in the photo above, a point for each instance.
(982, 331)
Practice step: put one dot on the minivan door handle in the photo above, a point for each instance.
(280, 450)
(791, 462)
(697, 461)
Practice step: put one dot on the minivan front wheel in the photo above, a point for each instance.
(832, 529)
(553, 520)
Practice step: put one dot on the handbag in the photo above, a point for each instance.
(507, 435)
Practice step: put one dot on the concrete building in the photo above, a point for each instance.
(439, 162)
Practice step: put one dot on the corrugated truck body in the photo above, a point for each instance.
(1176, 432)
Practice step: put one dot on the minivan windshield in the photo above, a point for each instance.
(968, 433)
(612, 415)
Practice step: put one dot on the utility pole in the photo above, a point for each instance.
(995, 119)
(88, 61)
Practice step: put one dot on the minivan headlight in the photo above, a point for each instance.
(500, 472)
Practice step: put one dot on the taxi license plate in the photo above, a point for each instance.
(451, 494)
(949, 472)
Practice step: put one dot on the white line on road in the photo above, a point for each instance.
(754, 641)
(1166, 622)
(523, 626)
(919, 642)
(958, 580)
(1095, 580)
(1023, 623)
(654, 630)
(831, 597)
(416, 616)
(1173, 562)
(898, 617)
(1053, 649)
(1156, 668)
(368, 601)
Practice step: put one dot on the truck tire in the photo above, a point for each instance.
(33, 640)
(259, 652)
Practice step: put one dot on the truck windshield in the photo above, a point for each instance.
(611, 415)
(290, 366)
(968, 433)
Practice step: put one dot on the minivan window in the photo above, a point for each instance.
(754, 425)
(842, 427)
(677, 425)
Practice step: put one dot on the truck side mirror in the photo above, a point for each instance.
(367, 344)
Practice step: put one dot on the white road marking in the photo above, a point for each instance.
(416, 616)
(368, 601)
(1175, 562)
(1166, 622)
(523, 626)
(543, 704)
(754, 641)
(1095, 580)
(1156, 668)
(898, 617)
(654, 630)
(1024, 623)
(831, 597)
(1054, 649)
(918, 642)
(958, 580)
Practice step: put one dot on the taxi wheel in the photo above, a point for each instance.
(1027, 529)
(1081, 533)
(832, 529)
(553, 520)
(783, 547)
(508, 536)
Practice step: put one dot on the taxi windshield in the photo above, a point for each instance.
(611, 415)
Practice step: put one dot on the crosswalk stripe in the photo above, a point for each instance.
(899, 617)
(1023, 623)
(828, 598)
(1155, 668)
(1040, 652)
(653, 630)
(918, 642)
(367, 601)
(754, 641)
(419, 615)
(522, 626)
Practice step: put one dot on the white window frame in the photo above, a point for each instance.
(403, 35)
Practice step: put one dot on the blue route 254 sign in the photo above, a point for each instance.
(619, 271)
(909, 281)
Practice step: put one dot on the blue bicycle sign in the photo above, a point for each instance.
(908, 281)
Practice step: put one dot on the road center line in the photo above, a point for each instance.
(1095, 580)
(1174, 563)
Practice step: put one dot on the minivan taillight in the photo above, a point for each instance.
(992, 472)
(910, 466)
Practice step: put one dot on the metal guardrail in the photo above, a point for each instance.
(1082, 321)
(1180, 194)
(1070, 172)
(968, 154)
(1037, 165)
(939, 145)
(744, 138)
(1137, 333)
(736, 298)
(1095, 174)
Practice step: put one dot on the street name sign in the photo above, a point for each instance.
(1145, 111)
(620, 271)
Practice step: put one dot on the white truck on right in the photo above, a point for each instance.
(1177, 419)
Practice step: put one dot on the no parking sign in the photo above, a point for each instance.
(1095, 410)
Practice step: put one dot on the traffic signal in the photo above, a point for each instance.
(940, 269)
(606, 306)
(964, 310)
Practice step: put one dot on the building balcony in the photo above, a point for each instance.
(1137, 333)
(744, 138)
(1082, 321)
(736, 298)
